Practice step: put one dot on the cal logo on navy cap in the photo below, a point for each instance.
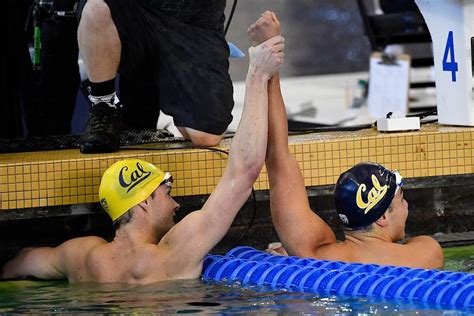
(363, 194)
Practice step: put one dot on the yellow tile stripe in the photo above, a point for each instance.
(66, 177)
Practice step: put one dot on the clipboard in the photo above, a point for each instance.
(388, 84)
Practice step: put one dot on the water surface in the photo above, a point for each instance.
(195, 296)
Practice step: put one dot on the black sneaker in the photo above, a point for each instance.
(102, 133)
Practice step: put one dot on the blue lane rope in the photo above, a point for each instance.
(249, 267)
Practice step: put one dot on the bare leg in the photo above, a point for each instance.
(100, 47)
(99, 42)
(200, 138)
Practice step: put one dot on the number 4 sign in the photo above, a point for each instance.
(452, 65)
(451, 24)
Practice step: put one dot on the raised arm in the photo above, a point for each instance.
(193, 237)
(300, 230)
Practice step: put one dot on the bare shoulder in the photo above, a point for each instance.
(77, 248)
(83, 242)
(423, 240)
(77, 252)
(427, 244)
(418, 252)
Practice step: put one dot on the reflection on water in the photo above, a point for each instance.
(185, 297)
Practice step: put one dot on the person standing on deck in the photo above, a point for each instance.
(369, 198)
(171, 54)
(149, 246)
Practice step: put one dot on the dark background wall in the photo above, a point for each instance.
(322, 36)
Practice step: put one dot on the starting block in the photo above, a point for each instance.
(451, 24)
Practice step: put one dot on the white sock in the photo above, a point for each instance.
(110, 99)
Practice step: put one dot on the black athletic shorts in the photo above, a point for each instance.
(179, 46)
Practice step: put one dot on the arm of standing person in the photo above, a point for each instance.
(193, 237)
(300, 230)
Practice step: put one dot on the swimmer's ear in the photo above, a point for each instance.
(382, 221)
(144, 205)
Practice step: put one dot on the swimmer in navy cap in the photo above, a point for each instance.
(364, 193)
(369, 199)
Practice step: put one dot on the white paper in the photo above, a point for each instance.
(388, 86)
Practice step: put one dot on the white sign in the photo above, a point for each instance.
(388, 85)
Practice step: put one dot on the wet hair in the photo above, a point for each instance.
(124, 219)
(368, 228)
(364, 229)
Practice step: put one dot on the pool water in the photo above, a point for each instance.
(194, 296)
(459, 258)
(185, 297)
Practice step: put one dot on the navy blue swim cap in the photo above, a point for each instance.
(364, 192)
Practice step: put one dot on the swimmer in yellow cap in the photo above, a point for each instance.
(149, 246)
(369, 199)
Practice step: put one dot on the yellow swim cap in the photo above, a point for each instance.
(127, 183)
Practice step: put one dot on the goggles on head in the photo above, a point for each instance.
(168, 180)
(398, 180)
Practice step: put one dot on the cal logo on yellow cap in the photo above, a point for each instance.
(127, 183)
(129, 180)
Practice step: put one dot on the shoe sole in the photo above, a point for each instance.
(89, 148)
